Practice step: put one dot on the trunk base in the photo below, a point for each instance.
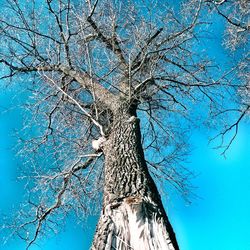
(130, 224)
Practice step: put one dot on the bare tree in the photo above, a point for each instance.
(94, 69)
(235, 15)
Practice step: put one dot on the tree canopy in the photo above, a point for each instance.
(81, 60)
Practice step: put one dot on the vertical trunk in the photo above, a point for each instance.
(133, 216)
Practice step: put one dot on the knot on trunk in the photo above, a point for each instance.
(98, 144)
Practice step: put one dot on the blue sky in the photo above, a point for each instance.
(217, 220)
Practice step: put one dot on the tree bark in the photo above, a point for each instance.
(133, 216)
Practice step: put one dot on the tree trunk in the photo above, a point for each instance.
(133, 216)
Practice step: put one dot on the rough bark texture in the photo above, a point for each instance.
(133, 216)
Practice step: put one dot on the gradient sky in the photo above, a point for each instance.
(219, 219)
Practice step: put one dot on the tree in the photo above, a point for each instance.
(94, 70)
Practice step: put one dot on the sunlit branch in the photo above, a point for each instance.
(77, 104)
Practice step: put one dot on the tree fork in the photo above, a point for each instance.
(133, 216)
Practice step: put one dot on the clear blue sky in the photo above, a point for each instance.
(218, 220)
